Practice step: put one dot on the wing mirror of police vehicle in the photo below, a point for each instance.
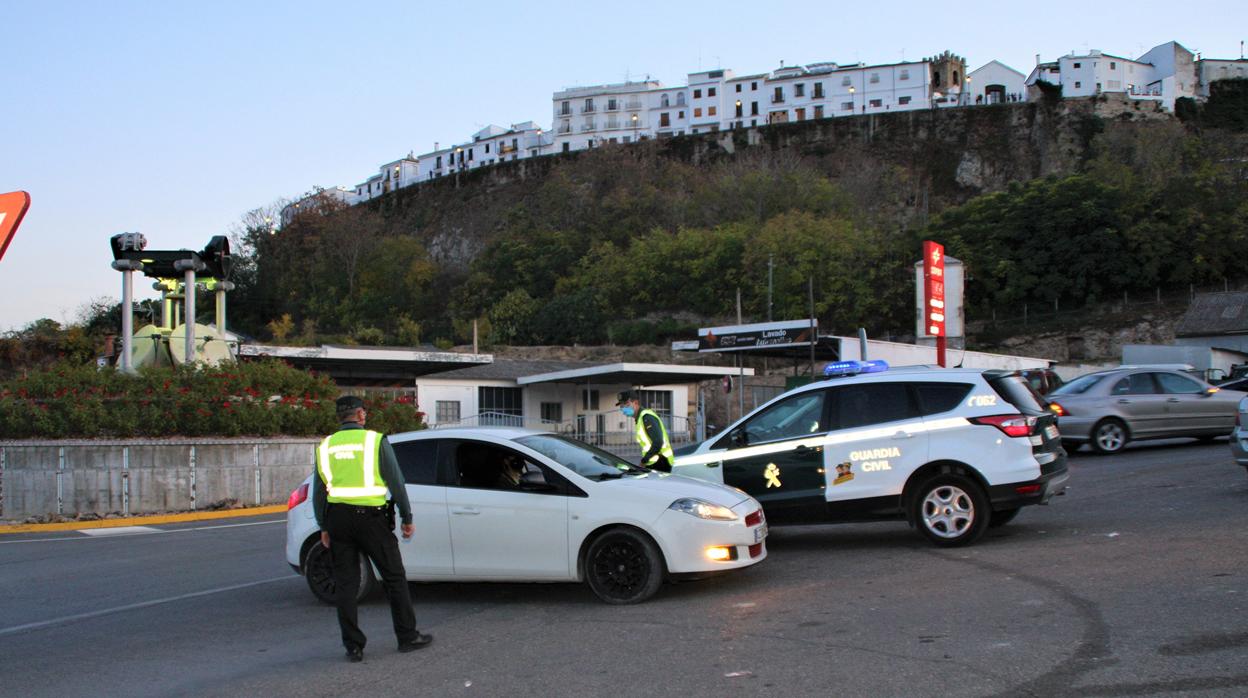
(535, 481)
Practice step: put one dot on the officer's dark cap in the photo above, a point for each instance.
(624, 396)
(348, 403)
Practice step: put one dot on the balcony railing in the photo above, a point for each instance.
(588, 126)
(564, 128)
(633, 105)
(589, 109)
(612, 124)
(613, 106)
(777, 99)
(565, 111)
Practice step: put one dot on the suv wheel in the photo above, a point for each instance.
(318, 569)
(1109, 436)
(623, 566)
(951, 510)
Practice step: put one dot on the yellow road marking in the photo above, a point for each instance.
(144, 520)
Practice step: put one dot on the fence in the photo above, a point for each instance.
(42, 478)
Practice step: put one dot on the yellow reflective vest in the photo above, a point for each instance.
(665, 449)
(349, 462)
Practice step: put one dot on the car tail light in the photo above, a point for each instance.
(1009, 424)
(1059, 410)
(754, 519)
(299, 496)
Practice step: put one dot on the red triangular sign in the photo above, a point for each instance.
(12, 207)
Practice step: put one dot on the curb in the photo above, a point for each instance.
(144, 520)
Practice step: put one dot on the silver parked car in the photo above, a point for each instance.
(1239, 437)
(1109, 408)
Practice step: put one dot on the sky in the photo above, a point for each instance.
(174, 119)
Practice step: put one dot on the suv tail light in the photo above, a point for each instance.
(1010, 424)
(299, 496)
(1058, 409)
(754, 519)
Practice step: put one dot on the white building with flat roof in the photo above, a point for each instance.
(1210, 70)
(1163, 74)
(585, 117)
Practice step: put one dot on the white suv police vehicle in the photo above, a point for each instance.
(952, 451)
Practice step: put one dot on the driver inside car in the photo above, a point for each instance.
(511, 467)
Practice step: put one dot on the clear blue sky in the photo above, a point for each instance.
(173, 119)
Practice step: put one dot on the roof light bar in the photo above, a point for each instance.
(851, 368)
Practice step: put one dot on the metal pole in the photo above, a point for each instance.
(740, 365)
(188, 267)
(810, 292)
(771, 267)
(127, 268)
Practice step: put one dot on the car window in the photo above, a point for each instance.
(935, 398)
(1135, 384)
(418, 460)
(1079, 385)
(1174, 384)
(581, 458)
(797, 416)
(488, 466)
(871, 403)
(1018, 393)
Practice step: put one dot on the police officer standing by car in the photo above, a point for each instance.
(656, 448)
(356, 467)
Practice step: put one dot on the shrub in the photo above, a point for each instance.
(262, 398)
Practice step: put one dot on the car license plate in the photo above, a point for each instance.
(1051, 431)
(760, 533)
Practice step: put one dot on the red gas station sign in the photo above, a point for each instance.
(12, 207)
(934, 288)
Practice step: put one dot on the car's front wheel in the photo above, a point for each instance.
(318, 569)
(1109, 436)
(623, 566)
(951, 510)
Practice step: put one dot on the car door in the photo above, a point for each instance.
(1191, 409)
(428, 551)
(1138, 400)
(878, 438)
(503, 531)
(776, 456)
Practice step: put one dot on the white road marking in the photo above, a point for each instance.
(154, 530)
(118, 531)
(135, 606)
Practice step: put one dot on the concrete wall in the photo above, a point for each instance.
(39, 478)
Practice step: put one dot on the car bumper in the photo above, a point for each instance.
(1239, 446)
(1051, 482)
(1076, 428)
(686, 539)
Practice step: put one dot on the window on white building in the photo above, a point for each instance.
(754, 86)
(1113, 65)
(904, 99)
(1077, 66)
(697, 94)
(499, 406)
(663, 101)
(552, 412)
(799, 90)
(710, 92)
(697, 111)
(710, 111)
(738, 87)
(1078, 84)
(589, 399)
(847, 106)
(589, 105)
(875, 77)
(818, 90)
(905, 74)
(846, 82)
(877, 103)
(446, 411)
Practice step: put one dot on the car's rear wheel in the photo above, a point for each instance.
(951, 510)
(1109, 436)
(1002, 517)
(623, 566)
(318, 570)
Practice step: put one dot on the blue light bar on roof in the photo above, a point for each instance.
(851, 368)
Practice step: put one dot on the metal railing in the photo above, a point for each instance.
(633, 105)
(564, 128)
(589, 109)
(588, 126)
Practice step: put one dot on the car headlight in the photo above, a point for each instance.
(703, 510)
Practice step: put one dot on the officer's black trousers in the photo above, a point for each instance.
(355, 530)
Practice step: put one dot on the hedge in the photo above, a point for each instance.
(262, 398)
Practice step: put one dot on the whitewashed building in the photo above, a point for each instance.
(669, 111)
(996, 83)
(1165, 73)
(745, 104)
(585, 117)
(1210, 70)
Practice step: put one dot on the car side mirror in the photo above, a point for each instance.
(535, 481)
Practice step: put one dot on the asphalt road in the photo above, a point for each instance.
(1135, 583)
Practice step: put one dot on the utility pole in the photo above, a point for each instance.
(810, 291)
(771, 267)
(740, 364)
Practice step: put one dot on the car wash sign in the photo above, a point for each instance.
(934, 288)
(12, 207)
(763, 335)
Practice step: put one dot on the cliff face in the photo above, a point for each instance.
(899, 168)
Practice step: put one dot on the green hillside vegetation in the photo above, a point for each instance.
(634, 244)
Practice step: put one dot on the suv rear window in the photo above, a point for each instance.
(935, 398)
(1018, 393)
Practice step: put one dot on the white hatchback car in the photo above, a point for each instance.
(952, 451)
(578, 514)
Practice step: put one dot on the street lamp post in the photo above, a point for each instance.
(459, 164)
(853, 104)
(966, 90)
(634, 119)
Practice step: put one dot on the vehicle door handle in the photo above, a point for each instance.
(465, 511)
(1173, 399)
(1123, 401)
(903, 435)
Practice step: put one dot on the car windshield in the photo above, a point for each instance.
(583, 459)
(1080, 385)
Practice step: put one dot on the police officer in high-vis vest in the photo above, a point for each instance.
(356, 468)
(651, 433)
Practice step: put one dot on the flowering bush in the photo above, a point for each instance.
(262, 398)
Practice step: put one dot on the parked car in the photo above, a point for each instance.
(578, 513)
(951, 451)
(1109, 409)
(1239, 436)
